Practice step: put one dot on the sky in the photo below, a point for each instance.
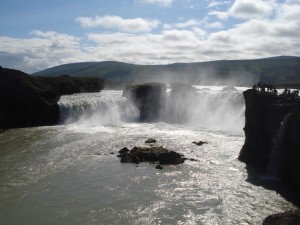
(38, 34)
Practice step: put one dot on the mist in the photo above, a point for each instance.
(209, 108)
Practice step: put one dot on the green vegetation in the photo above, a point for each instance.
(284, 69)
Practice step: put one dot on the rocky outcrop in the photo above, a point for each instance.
(286, 218)
(150, 154)
(272, 131)
(32, 101)
(199, 143)
(148, 98)
(65, 84)
(24, 103)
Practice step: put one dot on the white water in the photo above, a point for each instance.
(66, 175)
(210, 109)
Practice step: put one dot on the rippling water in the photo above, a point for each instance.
(67, 175)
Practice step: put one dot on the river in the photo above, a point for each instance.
(70, 174)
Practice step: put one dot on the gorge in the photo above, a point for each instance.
(66, 172)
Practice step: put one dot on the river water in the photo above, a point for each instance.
(68, 174)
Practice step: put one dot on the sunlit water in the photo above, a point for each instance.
(67, 175)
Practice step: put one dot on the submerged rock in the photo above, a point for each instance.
(199, 143)
(124, 150)
(286, 218)
(159, 167)
(150, 140)
(171, 157)
(151, 154)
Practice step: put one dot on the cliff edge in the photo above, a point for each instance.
(272, 131)
(27, 101)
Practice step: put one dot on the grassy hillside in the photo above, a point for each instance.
(282, 69)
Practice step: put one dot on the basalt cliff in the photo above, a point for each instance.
(272, 131)
(32, 101)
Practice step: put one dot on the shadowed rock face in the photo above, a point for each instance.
(32, 101)
(148, 99)
(264, 114)
(24, 103)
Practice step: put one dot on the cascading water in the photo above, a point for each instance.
(106, 107)
(206, 108)
(276, 157)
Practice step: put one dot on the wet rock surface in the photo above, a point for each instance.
(148, 98)
(286, 218)
(151, 154)
(150, 140)
(273, 121)
(199, 143)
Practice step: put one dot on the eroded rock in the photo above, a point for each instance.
(151, 154)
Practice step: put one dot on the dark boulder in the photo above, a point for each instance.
(286, 218)
(148, 98)
(150, 140)
(151, 154)
(171, 157)
(199, 143)
(124, 150)
(159, 167)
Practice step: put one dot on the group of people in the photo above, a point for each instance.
(269, 88)
(290, 94)
(265, 87)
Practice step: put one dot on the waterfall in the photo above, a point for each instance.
(106, 107)
(212, 109)
(206, 108)
(277, 154)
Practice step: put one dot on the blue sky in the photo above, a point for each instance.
(35, 35)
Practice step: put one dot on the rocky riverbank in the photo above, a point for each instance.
(32, 101)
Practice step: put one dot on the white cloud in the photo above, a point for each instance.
(245, 9)
(252, 38)
(42, 50)
(116, 22)
(158, 2)
(188, 23)
(194, 23)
